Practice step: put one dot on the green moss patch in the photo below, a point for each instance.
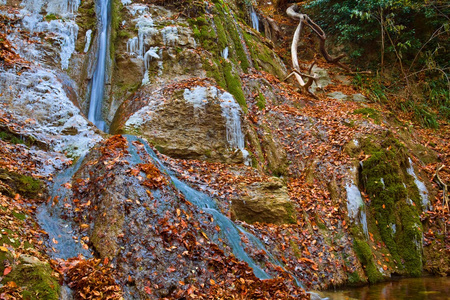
(24, 185)
(35, 278)
(365, 255)
(369, 113)
(394, 201)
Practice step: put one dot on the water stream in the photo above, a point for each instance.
(422, 288)
(51, 218)
(231, 232)
(98, 79)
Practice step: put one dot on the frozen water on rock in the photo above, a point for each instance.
(197, 96)
(63, 7)
(170, 35)
(133, 46)
(137, 8)
(423, 191)
(37, 98)
(225, 53)
(355, 206)
(88, 40)
(63, 31)
(142, 115)
(231, 111)
(126, 2)
(149, 55)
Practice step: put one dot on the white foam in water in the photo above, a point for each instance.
(355, 206)
(37, 98)
(423, 191)
(126, 2)
(88, 40)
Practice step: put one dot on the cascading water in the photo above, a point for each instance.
(230, 231)
(255, 20)
(98, 79)
(51, 218)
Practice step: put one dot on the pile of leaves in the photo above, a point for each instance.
(91, 279)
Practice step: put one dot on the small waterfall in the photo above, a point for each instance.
(229, 231)
(98, 79)
(255, 20)
(355, 206)
(423, 191)
(50, 217)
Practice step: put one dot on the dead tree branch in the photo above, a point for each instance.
(304, 19)
(443, 186)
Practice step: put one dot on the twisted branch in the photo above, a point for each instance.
(304, 19)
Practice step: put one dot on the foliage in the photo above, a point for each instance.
(412, 37)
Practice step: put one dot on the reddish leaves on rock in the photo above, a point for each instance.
(91, 280)
(155, 179)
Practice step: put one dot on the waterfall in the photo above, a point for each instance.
(255, 20)
(355, 206)
(98, 79)
(230, 232)
(423, 191)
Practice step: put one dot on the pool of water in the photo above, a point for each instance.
(429, 288)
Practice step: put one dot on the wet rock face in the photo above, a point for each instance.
(200, 122)
(264, 202)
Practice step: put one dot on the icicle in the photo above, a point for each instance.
(225, 53)
(151, 53)
(133, 45)
(88, 40)
(231, 111)
(170, 35)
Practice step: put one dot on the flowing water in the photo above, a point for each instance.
(230, 231)
(98, 79)
(424, 288)
(52, 219)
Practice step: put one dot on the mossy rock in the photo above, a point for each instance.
(35, 278)
(365, 255)
(17, 183)
(394, 200)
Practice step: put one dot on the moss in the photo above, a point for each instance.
(291, 217)
(261, 103)
(116, 18)
(353, 278)
(369, 113)
(36, 280)
(11, 138)
(234, 85)
(365, 255)
(24, 185)
(295, 248)
(50, 17)
(390, 200)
